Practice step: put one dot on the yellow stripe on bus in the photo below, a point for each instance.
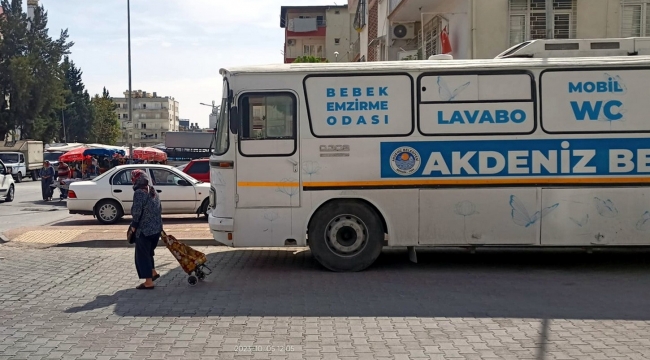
(531, 181)
(267, 184)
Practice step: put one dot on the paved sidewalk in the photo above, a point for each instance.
(85, 232)
(74, 303)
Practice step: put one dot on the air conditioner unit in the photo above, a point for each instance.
(403, 31)
(291, 42)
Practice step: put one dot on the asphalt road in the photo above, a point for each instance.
(28, 208)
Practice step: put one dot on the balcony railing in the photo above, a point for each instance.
(393, 4)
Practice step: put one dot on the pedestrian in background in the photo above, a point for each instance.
(47, 179)
(147, 227)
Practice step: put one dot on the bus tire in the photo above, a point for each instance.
(346, 235)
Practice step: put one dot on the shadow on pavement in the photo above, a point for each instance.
(55, 202)
(90, 221)
(445, 283)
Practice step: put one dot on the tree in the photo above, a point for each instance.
(32, 88)
(78, 115)
(106, 126)
(309, 59)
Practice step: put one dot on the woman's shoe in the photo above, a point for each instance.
(143, 287)
(155, 277)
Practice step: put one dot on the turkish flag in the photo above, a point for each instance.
(444, 40)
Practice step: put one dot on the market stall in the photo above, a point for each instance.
(150, 155)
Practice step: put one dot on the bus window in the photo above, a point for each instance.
(268, 116)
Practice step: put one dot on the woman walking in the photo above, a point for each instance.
(146, 226)
(47, 179)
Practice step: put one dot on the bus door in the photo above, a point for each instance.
(268, 171)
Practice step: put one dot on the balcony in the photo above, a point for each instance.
(410, 10)
(393, 4)
(306, 27)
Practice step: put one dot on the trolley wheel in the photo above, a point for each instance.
(192, 280)
(200, 274)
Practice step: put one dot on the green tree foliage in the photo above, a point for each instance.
(78, 115)
(32, 90)
(309, 59)
(106, 126)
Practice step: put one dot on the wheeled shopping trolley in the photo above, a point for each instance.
(192, 261)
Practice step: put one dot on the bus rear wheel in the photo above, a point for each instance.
(346, 235)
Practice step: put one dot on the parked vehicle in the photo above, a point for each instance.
(349, 158)
(199, 169)
(7, 187)
(53, 158)
(108, 197)
(22, 158)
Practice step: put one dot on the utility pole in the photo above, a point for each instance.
(128, 14)
(550, 20)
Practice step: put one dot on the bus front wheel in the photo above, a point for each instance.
(346, 235)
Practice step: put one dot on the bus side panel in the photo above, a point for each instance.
(500, 216)
(264, 227)
(399, 209)
(597, 216)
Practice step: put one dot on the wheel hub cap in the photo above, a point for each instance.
(346, 235)
(108, 212)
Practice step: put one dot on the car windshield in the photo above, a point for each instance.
(9, 158)
(101, 176)
(52, 156)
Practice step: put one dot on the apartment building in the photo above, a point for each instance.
(320, 31)
(403, 29)
(153, 117)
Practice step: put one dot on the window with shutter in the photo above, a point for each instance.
(635, 18)
(528, 20)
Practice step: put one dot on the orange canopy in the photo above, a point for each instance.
(149, 154)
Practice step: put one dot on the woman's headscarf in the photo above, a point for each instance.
(140, 180)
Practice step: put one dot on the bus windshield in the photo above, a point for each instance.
(221, 133)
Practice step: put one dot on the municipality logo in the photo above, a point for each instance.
(405, 161)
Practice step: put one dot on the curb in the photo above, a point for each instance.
(125, 244)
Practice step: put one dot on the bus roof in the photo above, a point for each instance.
(432, 65)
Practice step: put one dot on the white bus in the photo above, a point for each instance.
(350, 157)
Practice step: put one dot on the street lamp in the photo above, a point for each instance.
(128, 16)
(65, 138)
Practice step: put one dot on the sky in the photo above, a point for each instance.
(177, 46)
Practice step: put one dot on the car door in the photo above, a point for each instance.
(177, 194)
(4, 181)
(200, 170)
(122, 188)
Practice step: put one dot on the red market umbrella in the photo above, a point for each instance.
(74, 155)
(149, 154)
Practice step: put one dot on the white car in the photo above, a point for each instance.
(109, 196)
(7, 187)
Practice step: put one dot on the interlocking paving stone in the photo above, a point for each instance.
(80, 303)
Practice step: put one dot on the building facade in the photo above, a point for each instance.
(408, 29)
(320, 31)
(153, 117)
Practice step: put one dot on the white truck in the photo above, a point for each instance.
(22, 158)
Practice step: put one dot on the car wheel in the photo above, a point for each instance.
(205, 207)
(19, 177)
(10, 194)
(346, 236)
(108, 212)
